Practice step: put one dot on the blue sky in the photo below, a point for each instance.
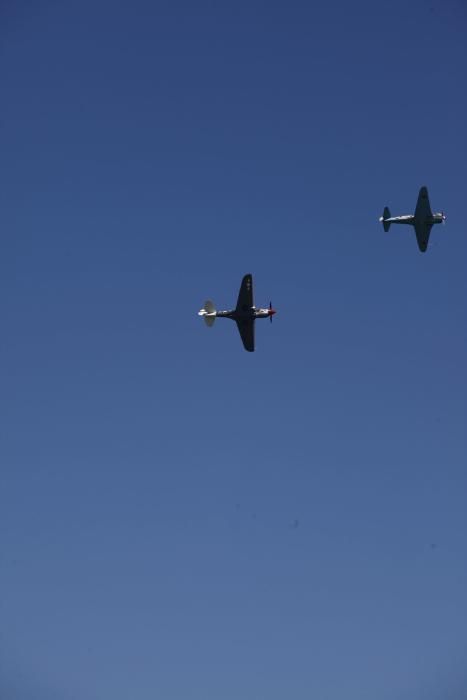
(180, 519)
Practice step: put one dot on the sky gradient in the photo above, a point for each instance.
(180, 519)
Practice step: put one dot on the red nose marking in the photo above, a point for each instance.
(272, 312)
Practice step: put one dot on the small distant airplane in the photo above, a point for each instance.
(244, 314)
(422, 220)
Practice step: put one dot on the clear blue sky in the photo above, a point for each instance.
(180, 519)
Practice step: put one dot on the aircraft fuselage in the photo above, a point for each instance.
(410, 219)
(248, 313)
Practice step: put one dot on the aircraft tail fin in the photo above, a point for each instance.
(386, 215)
(208, 312)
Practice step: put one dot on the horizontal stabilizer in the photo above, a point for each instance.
(383, 219)
(208, 312)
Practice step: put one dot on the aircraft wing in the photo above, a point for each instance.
(245, 295)
(423, 209)
(422, 231)
(246, 328)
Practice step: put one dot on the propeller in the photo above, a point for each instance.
(270, 309)
(443, 216)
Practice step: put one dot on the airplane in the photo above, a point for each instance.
(244, 314)
(422, 220)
